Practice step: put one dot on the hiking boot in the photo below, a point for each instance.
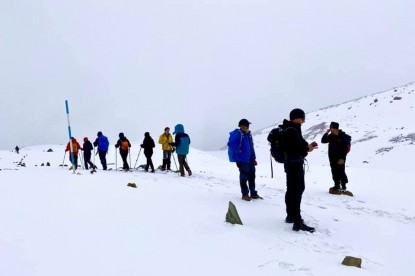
(189, 172)
(303, 227)
(153, 171)
(335, 190)
(246, 198)
(256, 196)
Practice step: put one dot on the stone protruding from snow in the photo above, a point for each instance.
(132, 185)
(232, 215)
(352, 261)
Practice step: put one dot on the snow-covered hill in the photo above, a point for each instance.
(54, 222)
(380, 125)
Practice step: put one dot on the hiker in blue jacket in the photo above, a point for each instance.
(242, 147)
(102, 143)
(182, 148)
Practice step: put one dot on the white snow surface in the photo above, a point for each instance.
(54, 222)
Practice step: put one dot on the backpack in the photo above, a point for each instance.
(232, 151)
(277, 146)
(124, 145)
(103, 143)
(74, 147)
(347, 140)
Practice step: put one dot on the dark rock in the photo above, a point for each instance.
(352, 261)
(132, 185)
(50, 150)
(232, 215)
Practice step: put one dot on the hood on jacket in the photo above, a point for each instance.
(85, 139)
(178, 129)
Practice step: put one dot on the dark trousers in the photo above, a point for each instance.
(74, 159)
(103, 158)
(247, 174)
(87, 160)
(295, 189)
(182, 164)
(166, 159)
(124, 155)
(149, 161)
(339, 174)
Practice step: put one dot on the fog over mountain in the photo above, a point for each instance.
(136, 66)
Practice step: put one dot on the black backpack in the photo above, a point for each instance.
(277, 145)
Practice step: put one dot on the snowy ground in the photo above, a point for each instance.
(54, 222)
(58, 223)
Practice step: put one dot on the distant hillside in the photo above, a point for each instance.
(380, 124)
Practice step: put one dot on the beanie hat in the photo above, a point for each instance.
(85, 139)
(99, 133)
(121, 135)
(334, 125)
(297, 113)
(147, 134)
(244, 122)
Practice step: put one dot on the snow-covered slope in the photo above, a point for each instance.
(380, 124)
(54, 222)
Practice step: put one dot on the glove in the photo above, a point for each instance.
(142, 145)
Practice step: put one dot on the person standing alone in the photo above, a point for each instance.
(339, 146)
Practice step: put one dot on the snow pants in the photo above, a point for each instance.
(247, 174)
(295, 189)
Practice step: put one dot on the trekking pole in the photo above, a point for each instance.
(116, 165)
(137, 158)
(272, 169)
(82, 161)
(63, 161)
(174, 159)
(129, 156)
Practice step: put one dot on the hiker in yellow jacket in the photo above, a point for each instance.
(165, 139)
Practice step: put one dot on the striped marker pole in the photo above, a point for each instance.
(71, 155)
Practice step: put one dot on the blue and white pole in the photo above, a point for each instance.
(71, 154)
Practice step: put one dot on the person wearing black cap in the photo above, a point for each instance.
(124, 144)
(102, 143)
(296, 149)
(339, 146)
(242, 147)
(148, 145)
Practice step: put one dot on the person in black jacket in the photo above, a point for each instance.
(87, 148)
(148, 145)
(124, 146)
(296, 149)
(339, 146)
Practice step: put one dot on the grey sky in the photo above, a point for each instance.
(136, 66)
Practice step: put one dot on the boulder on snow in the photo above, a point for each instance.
(132, 185)
(43, 164)
(352, 261)
(232, 215)
(50, 150)
(47, 164)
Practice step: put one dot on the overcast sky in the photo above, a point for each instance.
(136, 66)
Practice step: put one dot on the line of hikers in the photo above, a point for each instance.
(290, 148)
(180, 144)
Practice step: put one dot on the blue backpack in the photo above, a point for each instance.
(233, 149)
(103, 143)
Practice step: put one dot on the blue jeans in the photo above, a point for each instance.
(247, 174)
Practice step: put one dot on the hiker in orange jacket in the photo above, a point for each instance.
(74, 152)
